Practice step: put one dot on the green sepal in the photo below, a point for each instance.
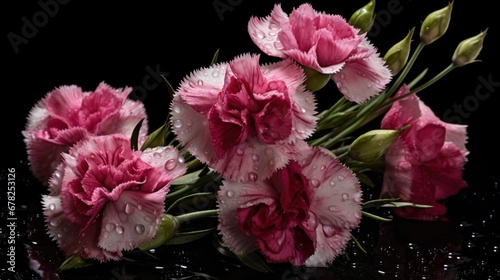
(74, 261)
(215, 58)
(167, 228)
(189, 236)
(187, 179)
(157, 138)
(134, 139)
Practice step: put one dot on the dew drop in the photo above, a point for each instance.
(260, 34)
(170, 164)
(55, 222)
(129, 208)
(177, 109)
(177, 123)
(252, 176)
(345, 196)
(230, 193)
(140, 229)
(334, 208)
(156, 155)
(240, 151)
(200, 82)
(329, 231)
(255, 157)
(215, 73)
(52, 206)
(119, 229)
(341, 177)
(315, 183)
(332, 183)
(278, 45)
(110, 227)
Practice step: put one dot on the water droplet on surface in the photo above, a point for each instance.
(110, 227)
(140, 229)
(314, 182)
(255, 157)
(341, 177)
(334, 208)
(52, 206)
(230, 193)
(177, 109)
(345, 196)
(177, 123)
(252, 176)
(200, 82)
(260, 34)
(170, 164)
(129, 208)
(119, 229)
(278, 45)
(240, 151)
(55, 222)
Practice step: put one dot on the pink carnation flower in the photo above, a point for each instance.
(425, 163)
(67, 114)
(105, 197)
(302, 214)
(325, 43)
(242, 118)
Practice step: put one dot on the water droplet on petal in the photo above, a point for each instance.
(119, 229)
(215, 73)
(177, 109)
(329, 231)
(52, 206)
(341, 177)
(230, 193)
(200, 82)
(177, 123)
(170, 164)
(110, 227)
(129, 208)
(55, 222)
(278, 45)
(345, 196)
(252, 176)
(156, 155)
(255, 157)
(240, 151)
(334, 208)
(260, 34)
(140, 229)
(315, 183)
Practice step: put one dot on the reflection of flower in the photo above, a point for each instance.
(243, 119)
(303, 214)
(105, 197)
(325, 43)
(425, 163)
(68, 114)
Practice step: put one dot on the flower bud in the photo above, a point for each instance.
(435, 24)
(372, 145)
(467, 51)
(364, 17)
(397, 55)
(315, 80)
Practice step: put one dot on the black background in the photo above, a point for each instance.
(123, 43)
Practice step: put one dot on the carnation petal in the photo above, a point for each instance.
(337, 192)
(264, 31)
(131, 220)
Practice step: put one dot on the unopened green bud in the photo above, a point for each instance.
(315, 80)
(167, 228)
(364, 17)
(467, 51)
(435, 24)
(372, 145)
(397, 55)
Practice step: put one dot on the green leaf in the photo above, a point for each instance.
(157, 138)
(167, 228)
(378, 202)
(187, 179)
(74, 261)
(215, 58)
(134, 139)
(189, 236)
(358, 244)
(170, 89)
(188, 197)
(375, 217)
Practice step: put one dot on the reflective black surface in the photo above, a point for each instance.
(130, 44)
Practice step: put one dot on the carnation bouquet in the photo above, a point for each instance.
(248, 155)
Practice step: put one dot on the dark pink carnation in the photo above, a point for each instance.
(67, 114)
(325, 43)
(302, 214)
(425, 163)
(106, 198)
(243, 118)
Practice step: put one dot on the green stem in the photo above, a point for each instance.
(406, 69)
(197, 215)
